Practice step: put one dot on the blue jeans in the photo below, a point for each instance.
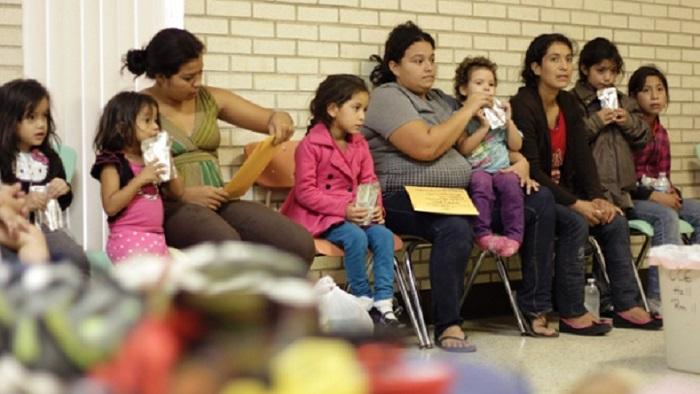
(354, 241)
(664, 220)
(572, 230)
(451, 238)
(535, 292)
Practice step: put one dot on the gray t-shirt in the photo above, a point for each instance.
(390, 107)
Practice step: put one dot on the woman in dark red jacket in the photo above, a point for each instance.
(554, 142)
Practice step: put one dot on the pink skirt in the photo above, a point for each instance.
(124, 244)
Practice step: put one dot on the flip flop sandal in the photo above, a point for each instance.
(531, 331)
(470, 348)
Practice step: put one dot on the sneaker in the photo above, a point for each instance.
(490, 242)
(507, 247)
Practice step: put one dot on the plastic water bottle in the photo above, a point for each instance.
(662, 184)
(591, 298)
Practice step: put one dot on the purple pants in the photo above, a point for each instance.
(484, 188)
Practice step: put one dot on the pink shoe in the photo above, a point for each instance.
(489, 242)
(508, 247)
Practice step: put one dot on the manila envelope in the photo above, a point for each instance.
(251, 169)
(442, 200)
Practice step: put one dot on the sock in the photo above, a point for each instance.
(386, 308)
(366, 302)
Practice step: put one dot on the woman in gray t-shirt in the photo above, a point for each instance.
(411, 129)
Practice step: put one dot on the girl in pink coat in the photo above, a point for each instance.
(331, 162)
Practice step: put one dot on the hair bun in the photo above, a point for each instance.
(135, 61)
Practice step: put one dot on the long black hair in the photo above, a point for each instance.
(597, 50)
(167, 51)
(117, 127)
(19, 99)
(335, 89)
(639, 78)
(536, 51)
(400, 38)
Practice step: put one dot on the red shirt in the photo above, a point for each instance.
(557, 136)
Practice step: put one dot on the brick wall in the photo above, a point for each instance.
(10, 40)
(275, 53)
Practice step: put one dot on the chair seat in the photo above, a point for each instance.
(685, 227)
(328, 248)
(641, 227)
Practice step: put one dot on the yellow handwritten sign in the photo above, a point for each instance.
(251, 169)
(443, 200)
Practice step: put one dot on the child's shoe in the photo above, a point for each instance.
(508, 247)
(489, 242)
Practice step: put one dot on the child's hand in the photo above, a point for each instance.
(607, 116)
(56, 188)
(355, 214)
(150, 173)
(621, 116)
(483, 122)
(36, 201)
(508, 109)
(378, 215)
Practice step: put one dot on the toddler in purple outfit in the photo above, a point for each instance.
(487, 150)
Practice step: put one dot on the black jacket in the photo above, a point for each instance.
(579, 175)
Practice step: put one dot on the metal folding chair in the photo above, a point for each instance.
(502, 268)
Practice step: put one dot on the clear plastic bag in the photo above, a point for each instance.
(341, 313)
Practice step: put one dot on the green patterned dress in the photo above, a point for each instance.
(195, 155)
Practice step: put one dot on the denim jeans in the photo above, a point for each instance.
(535, 292)
(572, 231)
(354, 240)
(664, 220)
(451, 238)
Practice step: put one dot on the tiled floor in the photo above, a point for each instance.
(556, 365)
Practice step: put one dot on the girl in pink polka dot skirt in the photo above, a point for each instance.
(131, 189)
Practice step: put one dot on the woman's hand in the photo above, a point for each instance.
(56, 188)
(280, 126)
(477, 101)
(670, 200)
(12, 221)
(378, 215)
(35, 201)
(355, 214)
(521, 168)
(13, 197)
(206, 196)
(587, 210)
(606, 210)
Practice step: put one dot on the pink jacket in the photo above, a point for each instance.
(326, 179)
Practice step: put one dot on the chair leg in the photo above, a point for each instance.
(598, 256)
(403, 289)
(503, 273)
(472, 277)
(643, 252)
(413, 291)
(636, 265)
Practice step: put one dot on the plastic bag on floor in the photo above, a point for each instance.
(339, 312)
